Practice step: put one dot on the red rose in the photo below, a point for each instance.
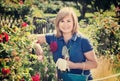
(36, 77)
(53, 46)
(5, 71)
(24, 24)
(5, 37)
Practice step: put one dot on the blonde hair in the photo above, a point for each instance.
(61, 14)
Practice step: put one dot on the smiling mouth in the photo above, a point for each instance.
(65, 27)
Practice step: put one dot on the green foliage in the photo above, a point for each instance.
(51, 9)
(40, 25)
(16, 8)
(14, 53)
(17, 61)
(107, 34)
(38, 22)
(48, 7)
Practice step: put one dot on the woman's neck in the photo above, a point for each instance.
(67, 37)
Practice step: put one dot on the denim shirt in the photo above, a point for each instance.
(77, 46)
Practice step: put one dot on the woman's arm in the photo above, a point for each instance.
(38, 51)
(38, 40)
(41, 38)
(89, 64)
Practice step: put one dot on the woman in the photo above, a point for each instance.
(80, 56)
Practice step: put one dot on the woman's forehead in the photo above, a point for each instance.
(67, 17)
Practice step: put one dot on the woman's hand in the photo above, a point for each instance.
(38, 51)
(40, 58)
(41, 39)
(62, 64)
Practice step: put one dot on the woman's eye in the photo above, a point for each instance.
(68, 21)
(61, 21)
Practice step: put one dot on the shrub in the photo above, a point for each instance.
(107, 34)
(15, 53)
(18, 62)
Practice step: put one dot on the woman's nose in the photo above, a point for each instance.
(65, 23)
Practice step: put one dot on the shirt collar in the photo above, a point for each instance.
(74, 37)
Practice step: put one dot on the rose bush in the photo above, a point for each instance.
(15, 53)
(18, 61)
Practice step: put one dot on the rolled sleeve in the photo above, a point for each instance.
(49, 38)
(86, 45)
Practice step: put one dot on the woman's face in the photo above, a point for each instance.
(66, 24)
